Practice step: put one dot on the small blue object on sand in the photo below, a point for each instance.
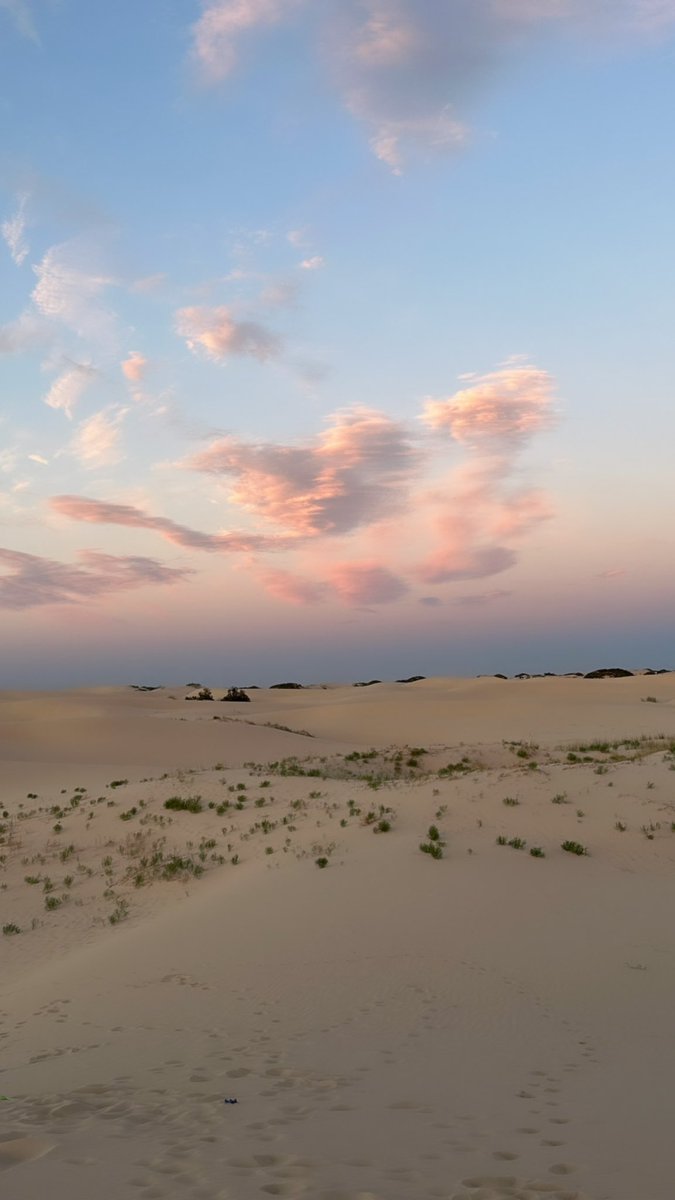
(235, 1101)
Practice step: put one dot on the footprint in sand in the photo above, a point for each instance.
(21, 1150)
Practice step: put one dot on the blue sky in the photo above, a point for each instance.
(377, 293)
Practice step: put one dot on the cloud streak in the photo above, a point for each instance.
(14, 230)
(99, 512)
(31, 581)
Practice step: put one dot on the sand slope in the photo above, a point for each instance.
(485, 1026)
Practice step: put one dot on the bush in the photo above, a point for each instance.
(321, 862)
(574, 848)
(433, 849)
(537, 852)
(191, 804)
(10, 929)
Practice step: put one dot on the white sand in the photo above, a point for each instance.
(485, 1026)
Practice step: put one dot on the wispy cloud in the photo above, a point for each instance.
(22, 17)
(407, 69)
(100, 512)
(69, 291)
(28, 332)
(355, 472)
(217, 33)
(14, 232)
(315, 263)
(30, 581)
(97, 440)
(358, 583)
(69, 387)
(216, 333)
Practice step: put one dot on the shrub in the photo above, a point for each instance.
(383, 826)
(517, 843)
(321, 862)
(10, 928)
(433, 849)
(621, 826)
(191, 804)
(510, 801)
(574, 848)
(537, 852)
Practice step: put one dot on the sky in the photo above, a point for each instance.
(335, 339)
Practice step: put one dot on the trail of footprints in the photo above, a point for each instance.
(199, 1157)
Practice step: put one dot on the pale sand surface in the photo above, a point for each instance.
(485, 1026)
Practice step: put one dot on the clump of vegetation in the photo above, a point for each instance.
(435, 844)
(457, 768)
(621, 826)
(321, 862)
(560, 798)
(574, 848)
(537, 852)
(511, 801)
(192, 804)
(119, 913)
(118, 783)
(10, 929)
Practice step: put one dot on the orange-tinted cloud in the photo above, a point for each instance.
(355, 472)
(216, 333)
(134, 367)
(503, 408)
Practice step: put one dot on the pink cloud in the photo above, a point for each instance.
(406, 68)
(291, 587)
(134, 367)
(355, 472)
(505, 408)
(221, 26)
(31, 581)
(451, 563)
(366, 583)
(520, 512)
(99, 512)
(216, 333)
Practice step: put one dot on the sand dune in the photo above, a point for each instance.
(488, 1024)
